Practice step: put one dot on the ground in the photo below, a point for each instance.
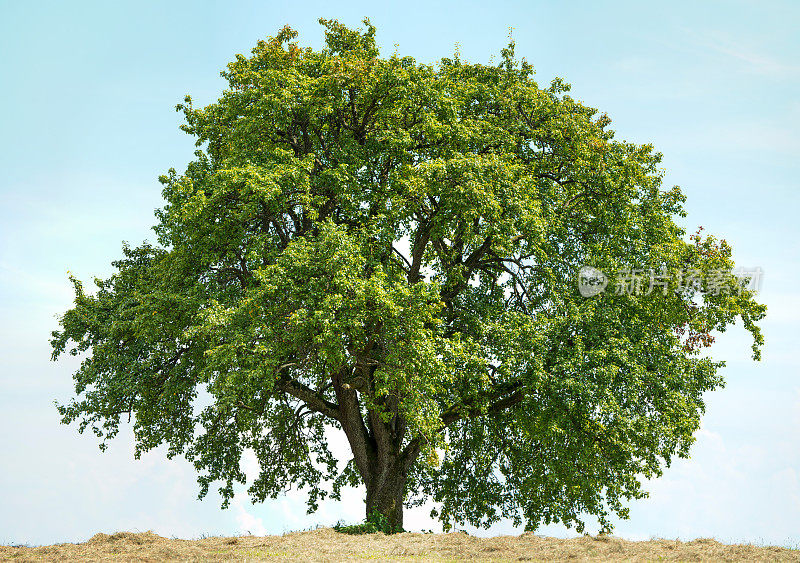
(326, 544)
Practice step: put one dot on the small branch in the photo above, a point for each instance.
(400, 254)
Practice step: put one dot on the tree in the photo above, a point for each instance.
(390, 249)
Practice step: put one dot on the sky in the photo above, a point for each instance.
(87, 124)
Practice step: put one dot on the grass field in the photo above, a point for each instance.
(326, 544)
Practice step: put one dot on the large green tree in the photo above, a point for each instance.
(390, 249)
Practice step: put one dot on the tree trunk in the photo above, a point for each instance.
(386, 492)
(379, 458)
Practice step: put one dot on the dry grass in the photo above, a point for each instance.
(327, 545)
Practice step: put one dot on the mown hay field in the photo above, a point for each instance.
(326, 544)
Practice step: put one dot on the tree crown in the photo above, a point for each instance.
(390, 248)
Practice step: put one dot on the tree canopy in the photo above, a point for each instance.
(390, 249)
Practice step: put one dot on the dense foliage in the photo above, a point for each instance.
(390, 249)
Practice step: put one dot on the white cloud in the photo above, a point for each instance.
(247, 522)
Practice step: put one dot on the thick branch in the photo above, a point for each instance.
(353, 425)
(311, 398)
(418, 251)
(469, 266)
(504, 396)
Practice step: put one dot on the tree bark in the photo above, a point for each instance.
(379, 457)
(386, 492)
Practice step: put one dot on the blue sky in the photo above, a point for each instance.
(88, 123)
